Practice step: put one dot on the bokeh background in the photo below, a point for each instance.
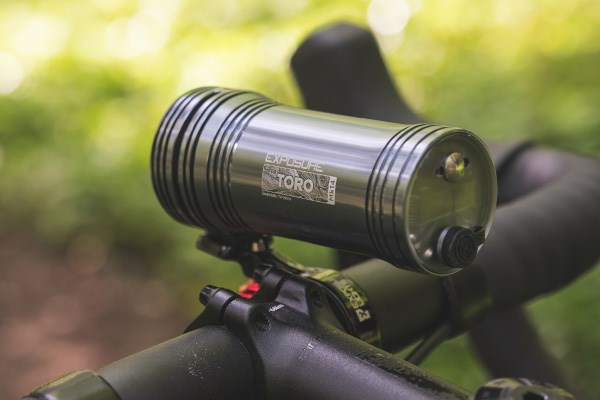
(92, 269)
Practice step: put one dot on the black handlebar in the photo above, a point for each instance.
(545, 231)
(543, 236)
(212, 362)
(283, 354)
(208, 363)
(546, 234)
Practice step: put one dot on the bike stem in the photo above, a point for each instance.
(296, 340)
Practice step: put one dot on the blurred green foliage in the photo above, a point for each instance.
(84, 84)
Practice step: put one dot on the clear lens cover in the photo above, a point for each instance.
(453, 190)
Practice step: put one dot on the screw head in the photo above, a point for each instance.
(206, 293)
(453, 167)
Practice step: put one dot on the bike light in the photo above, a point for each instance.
(421, 197)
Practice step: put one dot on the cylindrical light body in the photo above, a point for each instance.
(234, 161)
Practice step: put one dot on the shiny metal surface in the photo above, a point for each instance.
(234, 161)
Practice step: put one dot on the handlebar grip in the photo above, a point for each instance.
(547, 235)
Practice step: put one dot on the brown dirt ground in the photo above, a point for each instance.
(62, 311)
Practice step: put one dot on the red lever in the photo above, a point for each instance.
(248, 289)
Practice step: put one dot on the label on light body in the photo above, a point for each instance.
(284, 183)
